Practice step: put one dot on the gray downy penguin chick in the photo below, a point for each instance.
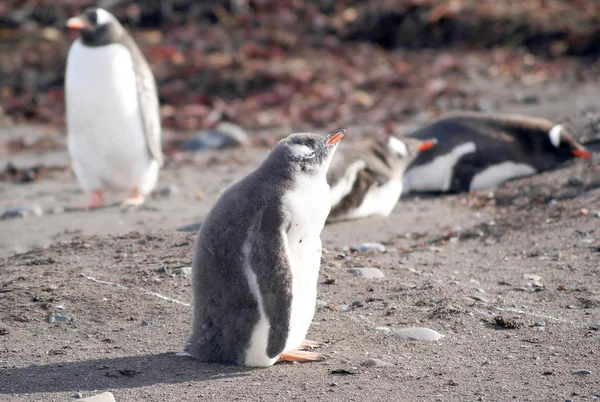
(476, 151)
(113, 120)
(257, 258)
(366, 176)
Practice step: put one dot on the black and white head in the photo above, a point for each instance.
(96, 26)
(305, 153)
(408, 148)
(561, 142)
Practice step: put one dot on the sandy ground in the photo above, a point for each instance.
(509, 277)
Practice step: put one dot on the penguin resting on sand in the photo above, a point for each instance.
(366, 176)
(257, 259)
(477, 151)
(113, 120)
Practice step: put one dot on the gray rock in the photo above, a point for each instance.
(235, 133)
(417, 334)
(321, 303)
(22, 212)
(581, 372)
(168, 190)
(369, 272)
(366, 247)
(103, 397)
(183, 271)
(56, 318)
(376, 363)
(145, 323)
(357, 304)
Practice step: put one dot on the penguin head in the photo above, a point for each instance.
(96, 26)
(562, 143)
(409, 147)
(306, 153)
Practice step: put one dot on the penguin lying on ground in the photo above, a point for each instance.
(366, 176)
(113, 120)
(257, 259)
(476, 151)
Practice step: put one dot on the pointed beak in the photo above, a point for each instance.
(77, 23)
(425, 145)
(335, 137)
(581, 153)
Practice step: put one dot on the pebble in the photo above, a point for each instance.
(366, 247)
(376, 363)
(532, 277)
(417, 334)
(539, 324)
(22, 212)
(145, 323)
(478, 298)
(357, 304)
(369, 272)
(321, 303)
(103, 397)
(383, 329)
(581, 372)
(59, 318)
(183, 271)
(168, 190)
(78, 395)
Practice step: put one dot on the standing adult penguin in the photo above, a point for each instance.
(366, 176)
(477, 151)
(113, 120)
(257, 258)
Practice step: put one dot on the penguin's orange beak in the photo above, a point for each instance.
(580, 153)
(336, 136)
(425, 145)
(76, 23)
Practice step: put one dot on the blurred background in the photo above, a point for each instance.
(306, 64)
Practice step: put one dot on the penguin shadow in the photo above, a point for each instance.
(116, 373)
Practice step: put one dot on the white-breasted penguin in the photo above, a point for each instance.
(257, 258)
(366, 176)
(113, 119)
(476, 151)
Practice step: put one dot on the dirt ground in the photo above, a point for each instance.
(509, 277)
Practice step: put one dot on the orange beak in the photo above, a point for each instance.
(425, 145)
(580, 153)
(336, 136)
(76, 23)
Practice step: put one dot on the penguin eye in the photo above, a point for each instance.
(554, 135)
(302, 151)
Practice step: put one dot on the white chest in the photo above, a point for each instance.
(308, 205)
(437, 174)
(495, 175)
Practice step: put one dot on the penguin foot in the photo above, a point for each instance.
(135, 199)
(309, 345)
(301, 356)
(96, 201)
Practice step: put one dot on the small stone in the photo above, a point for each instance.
(539, 324)
(478, 298)
(369, 272)
(574, 182)
(581, 372)
(145, 323)
(168, 190)
(532, 277)
(383, 329)
(103, 397)
(343, 307)
(23, 211)
(417, 334)
(78, 395)
(183, 271)
(372, 246)
(376, 363)
(321, 303)
(59, 318)
(357, 304)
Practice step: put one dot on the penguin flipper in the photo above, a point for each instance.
(270, 263)
(148, 100)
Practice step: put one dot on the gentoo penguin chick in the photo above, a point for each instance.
(476, 151)
(113, 121)
(257, 258)
(366, 176)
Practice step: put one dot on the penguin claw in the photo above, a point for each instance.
(309, 345)
(135, 199)
(302, 356)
